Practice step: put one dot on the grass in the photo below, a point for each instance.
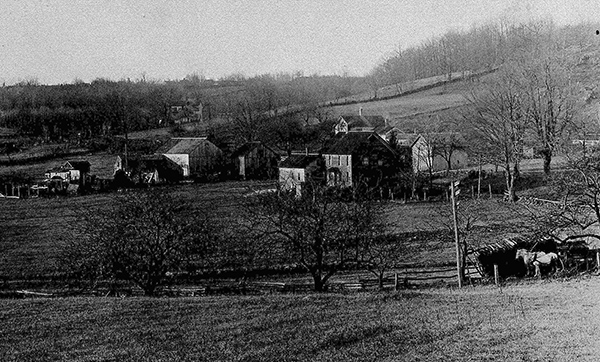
(102, 165)
(34, 231)
(531, 321)
(425, 102)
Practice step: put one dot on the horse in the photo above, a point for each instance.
(538, 260)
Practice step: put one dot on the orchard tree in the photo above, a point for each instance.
(139, 237)
(317, 228)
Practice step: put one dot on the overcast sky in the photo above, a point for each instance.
(57, 41)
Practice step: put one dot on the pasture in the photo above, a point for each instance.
(530, 321)
(35, 230)
(428, 101)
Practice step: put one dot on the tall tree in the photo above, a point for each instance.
(550, 104)
(499, 118)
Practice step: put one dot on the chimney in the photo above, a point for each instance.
(360, 111)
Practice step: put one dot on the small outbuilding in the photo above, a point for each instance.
(74, 171)
(297, 169)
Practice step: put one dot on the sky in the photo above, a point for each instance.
(60, 41)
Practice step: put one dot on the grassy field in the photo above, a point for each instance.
(102, 165)
(34, 231)
(531, 321)
(432, 100)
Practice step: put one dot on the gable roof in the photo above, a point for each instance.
(363, 121)
(182, 145)
(249, 146)
(161, 163)
(298, 161)
(81, 165)
(353, 141)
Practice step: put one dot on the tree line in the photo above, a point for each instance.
(103, 108)
(482, 47)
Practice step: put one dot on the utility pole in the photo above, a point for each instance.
(454, 192)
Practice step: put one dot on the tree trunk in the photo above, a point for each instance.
(547, 157)
(318, 282)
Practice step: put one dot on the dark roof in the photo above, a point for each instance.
(144, 163)
(298, 161)
(353, 141)
(249, 146)
(364, 121)
(81, 165)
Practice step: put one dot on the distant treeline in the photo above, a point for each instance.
(54, 113)
(482, 47)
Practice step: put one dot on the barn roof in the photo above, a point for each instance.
(298, 161)
(182, 145)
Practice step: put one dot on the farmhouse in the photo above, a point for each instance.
(149, 169)
(255, 160)
(360, 123)
(71, 171)
(185, 113)
(197, 157)
(363, 157)
(298, 169)
(431, 152)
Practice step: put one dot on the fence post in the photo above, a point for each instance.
(490, 188)
(472, 191)
(496, 275)
(598, 259)
(395, 281)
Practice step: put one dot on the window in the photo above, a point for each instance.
(380, 162)
(365, 161)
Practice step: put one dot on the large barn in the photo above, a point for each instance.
(198, 157)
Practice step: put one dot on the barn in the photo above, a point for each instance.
(197, 157)
(255, 160)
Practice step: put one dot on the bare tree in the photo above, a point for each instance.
(499, 119)
(550, 104)
(140, 238)
(319, 230)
